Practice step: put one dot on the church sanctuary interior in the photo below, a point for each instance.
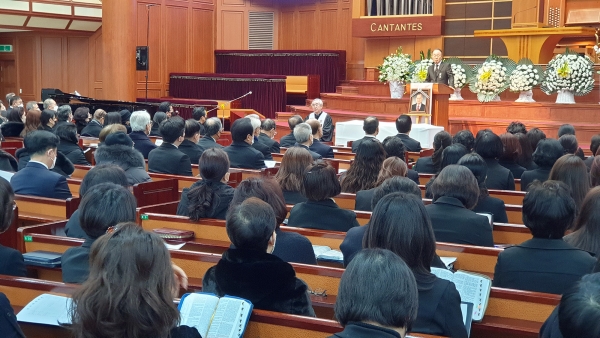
(461, 135)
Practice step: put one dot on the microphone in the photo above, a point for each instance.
(223, 106)
(521, 11)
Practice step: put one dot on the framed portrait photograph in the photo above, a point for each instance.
(420, 102)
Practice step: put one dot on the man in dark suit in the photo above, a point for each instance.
(35, 179)
(418, 105)
(545, 263)
(64, 115)
(393, 146)
(267, 132)
(167, 159)
(241, 153)
(96, 124)
(199, 115)
(263, 148)
(189, 146)
(289, 140)
(440, 71)
(140, 128)
(404, 125)
(213, 129)
(318, 147)
(304, 139)
(371, 128)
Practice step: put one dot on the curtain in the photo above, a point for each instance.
(329, 64)
(268, 91)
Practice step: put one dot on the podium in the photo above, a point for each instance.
(439, 105)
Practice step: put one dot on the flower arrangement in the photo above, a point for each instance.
(421, 68)
(569, 72)
(491, 78)
(462, 72)
(525, 76)
(396, 67)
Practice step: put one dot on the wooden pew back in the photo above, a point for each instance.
(41, 210)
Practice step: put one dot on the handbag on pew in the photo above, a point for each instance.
(45, 259)
(174, 234)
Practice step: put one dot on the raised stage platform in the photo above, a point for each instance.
(359, 99)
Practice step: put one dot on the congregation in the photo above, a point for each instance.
(387, 288)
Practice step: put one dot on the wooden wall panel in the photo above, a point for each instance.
(203, 24)
(27, 67)
(51, 62)
(329, 23)
(95, 63)
(77, 64)
(307, 24)
(177, 59)
(287, 27)
(233, 30)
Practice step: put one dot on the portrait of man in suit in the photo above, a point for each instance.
(440, 71)
(419, 103)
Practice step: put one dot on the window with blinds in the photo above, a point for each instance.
(260, 30)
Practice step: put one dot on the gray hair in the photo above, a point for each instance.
(48, 103)
(255, 122)
(212, 126)
(139, 120)
(317, 101)
(302, 132)
(63, 112)
(267, 125)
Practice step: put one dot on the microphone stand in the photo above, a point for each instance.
(223, 107)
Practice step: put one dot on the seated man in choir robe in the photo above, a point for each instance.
(323, 118)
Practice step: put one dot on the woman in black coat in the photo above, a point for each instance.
(319, 185)
(11, 260)
(489, 146)
(432, 164)
(510, 155)
(118, 149)
(209, 197)
(401, 224)
(15, 125)
(547, 152)
(69, 144)
(290, 173)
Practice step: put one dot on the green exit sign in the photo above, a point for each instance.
(6, 48)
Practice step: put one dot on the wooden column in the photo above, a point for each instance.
(118, 39)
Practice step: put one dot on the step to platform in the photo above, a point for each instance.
(349, 90)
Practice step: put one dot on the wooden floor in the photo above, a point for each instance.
(359, 99)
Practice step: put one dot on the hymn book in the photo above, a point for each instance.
(213, 316)
(473, 288)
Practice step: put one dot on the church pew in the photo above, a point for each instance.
(338, 164)
(34, 209)
(10, 238)
(424, 178)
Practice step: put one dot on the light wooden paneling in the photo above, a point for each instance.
(287, 27)
(307, 24)
(329, 23)
(51, 62)
(233, 30)
(77, 60)
(177, 58)
(202, 40)
(27, 70)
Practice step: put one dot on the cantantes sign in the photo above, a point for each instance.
(396, 26)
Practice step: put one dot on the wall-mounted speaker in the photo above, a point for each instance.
(141, 58)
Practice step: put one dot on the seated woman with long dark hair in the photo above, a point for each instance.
(586, 231)
(525, 158)
(319, 186)
(290, 173)
(377, 297)
(485, 203)
(392, 166)
(131, 288)
(32, 122)
(47, 119)
(11, 260)
(209, 197)
(432, 164)
(14, 126)
(81, 118)
(401, 224)
(69, 144)
(510, 155)
(571, 170)
(363, 172)
(291, 247)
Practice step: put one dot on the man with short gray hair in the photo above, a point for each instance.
(95, 126)
(304, 139)
(263, 148)
(50, 104)
(324, 119)
(213, 129)
(141, 124)
(64, 115)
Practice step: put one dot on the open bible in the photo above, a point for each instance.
(213, 316)
(473, 288)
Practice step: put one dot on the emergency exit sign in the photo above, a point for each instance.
(6, 48)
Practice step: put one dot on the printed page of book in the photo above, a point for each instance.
(46, 309)
(443, 274)
(230, 318)
(197, 309)
(320, 249)
(473, 289)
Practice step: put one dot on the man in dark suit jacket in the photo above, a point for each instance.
(545, 263)
(289, 140)
(267, 132)
(189, 146)
(96, 124)
(64, 115)
(418, 105)
(440, 72)
(404, 125)
(241, 153)
(263, 148)
(35, 179)
(304, 139)
(394, 146)
(213, 129)
(167, 159)
(8, 321)
(199, 115)
(371, 128)
(140, 129)
(318, 147)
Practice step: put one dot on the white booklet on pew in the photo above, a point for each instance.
(46, 309)
(324, 253)
(473, 288)
(214, 317)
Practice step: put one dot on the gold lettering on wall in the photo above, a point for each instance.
(417, 26)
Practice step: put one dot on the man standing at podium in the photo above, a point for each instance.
(440, 72)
